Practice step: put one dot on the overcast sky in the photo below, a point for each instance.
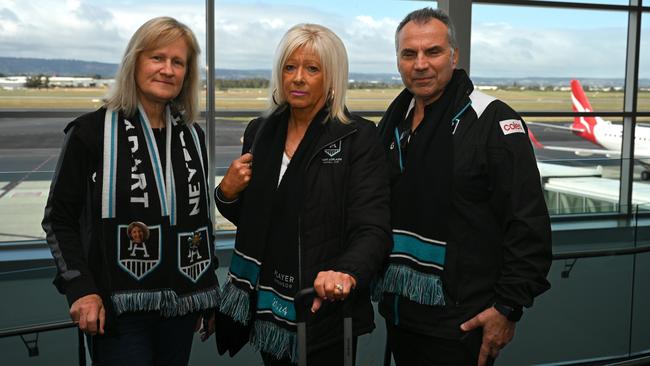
(506, 41)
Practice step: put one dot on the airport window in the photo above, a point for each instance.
(526, 49)
(540, 59)
(644, 67)
(526, 56)
(608, 2)
(57, 60)
(640, 192)
(244, 63)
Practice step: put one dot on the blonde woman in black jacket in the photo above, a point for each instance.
(310, 199)
(127, 218)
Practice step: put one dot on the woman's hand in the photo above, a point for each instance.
(237, 177)
(88, 313)
(331, 285)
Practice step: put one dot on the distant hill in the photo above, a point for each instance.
(58, 67)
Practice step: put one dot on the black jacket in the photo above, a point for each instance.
(344, 223)
(499, 248)
(72, 219)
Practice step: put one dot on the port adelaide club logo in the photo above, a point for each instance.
(138, 248)
(194, 253)
(332, 152)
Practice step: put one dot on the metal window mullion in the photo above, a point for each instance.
(210, 103)
(630, 106)
(460, 12)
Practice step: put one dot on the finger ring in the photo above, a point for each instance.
(339, 287)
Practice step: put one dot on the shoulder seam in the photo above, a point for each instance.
(480, 102)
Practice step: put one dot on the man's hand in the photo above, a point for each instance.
(237, 177)
(89, 314)
(497, 332)
(331, 285)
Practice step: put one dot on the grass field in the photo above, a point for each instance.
(363, 99)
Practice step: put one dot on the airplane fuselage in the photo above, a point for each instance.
(610, 136)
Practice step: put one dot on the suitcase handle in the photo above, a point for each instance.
(302, 302)
(303, 299)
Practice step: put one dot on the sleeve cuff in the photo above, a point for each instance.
(219, 196)
(78, 288)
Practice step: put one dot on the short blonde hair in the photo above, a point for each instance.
(334, 59)
(153, 34)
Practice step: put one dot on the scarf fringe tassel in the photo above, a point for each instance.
(235, 303)
(167, 302)
(277, 341)
(416, 286)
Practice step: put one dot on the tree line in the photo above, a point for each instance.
(257, 83)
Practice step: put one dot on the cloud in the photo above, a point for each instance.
(81, 30)
(499, 49)
(247, 35)
(8, 15)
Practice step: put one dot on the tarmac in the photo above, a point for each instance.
(22, 205)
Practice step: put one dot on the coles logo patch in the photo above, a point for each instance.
(509, 126)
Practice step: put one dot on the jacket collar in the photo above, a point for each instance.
(397, 110)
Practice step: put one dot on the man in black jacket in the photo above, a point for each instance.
(472, 240)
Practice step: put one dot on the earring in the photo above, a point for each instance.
(273, 97)
(330, 96)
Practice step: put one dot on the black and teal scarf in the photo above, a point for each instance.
(172, 270)
(421, 193)
(264, 271)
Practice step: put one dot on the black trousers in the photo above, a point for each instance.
(329, 356)
(414, 349)
(145, 339)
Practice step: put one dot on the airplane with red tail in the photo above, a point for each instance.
(607, 136)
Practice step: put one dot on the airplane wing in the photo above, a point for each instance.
(555, 126)
(643, 154)
(584, 152)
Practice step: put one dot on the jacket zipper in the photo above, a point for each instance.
(455, 121)
(300, 284)
(299, 256)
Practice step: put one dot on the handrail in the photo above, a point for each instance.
(44, 327)
(32, 345)
(601, 253)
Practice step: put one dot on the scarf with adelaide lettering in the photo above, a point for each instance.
(156, 223)
(421, 190)
(264, 270)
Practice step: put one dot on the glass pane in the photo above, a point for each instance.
(608, 2)
(73, 66)
(578, 175)
(530, 49)
(244, 62)
(67, 52)
(644, 65)
(641, 185)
